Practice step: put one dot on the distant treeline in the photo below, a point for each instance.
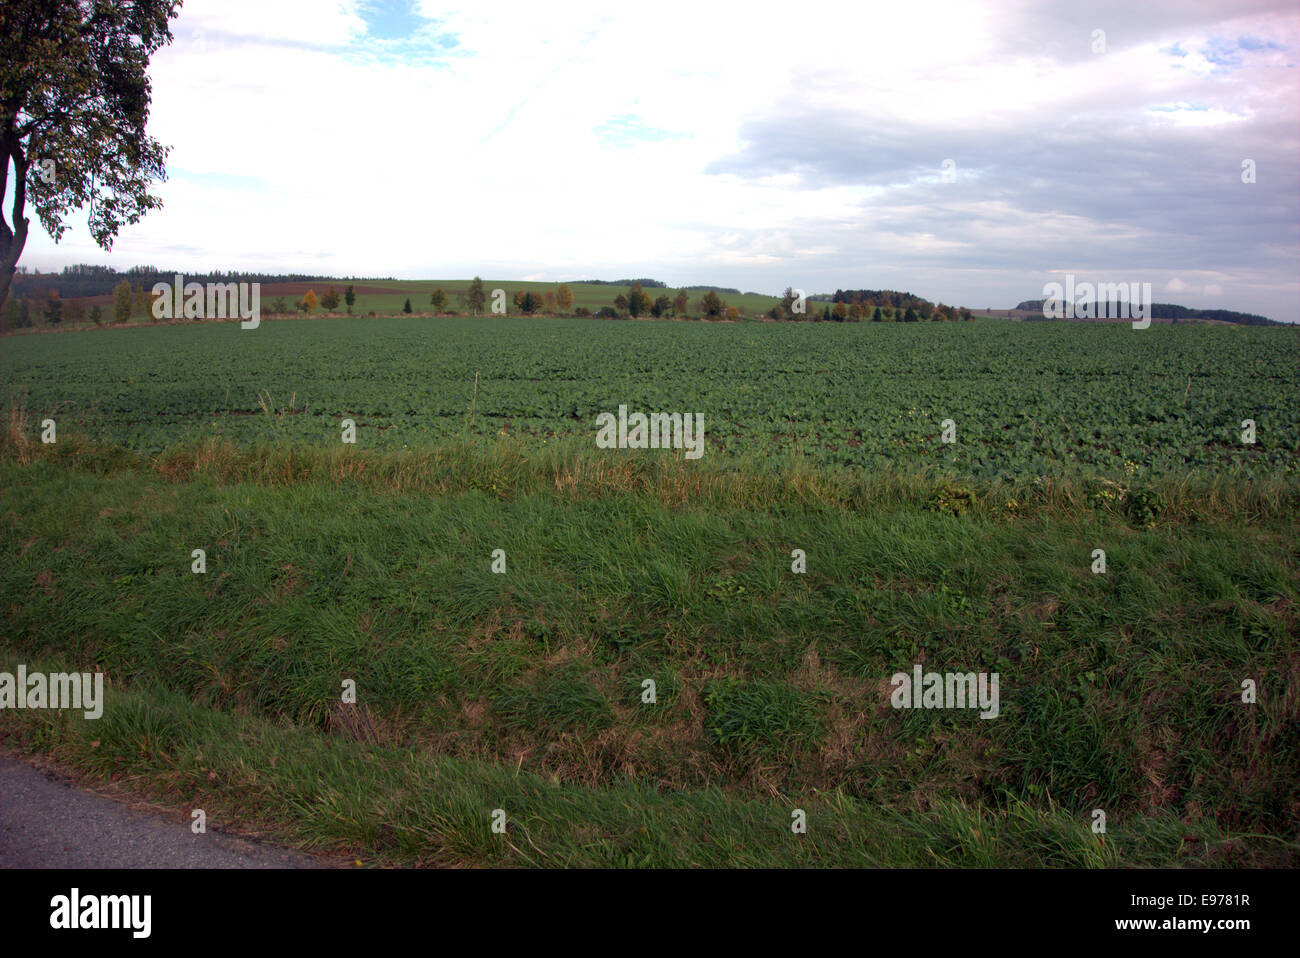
(652, 283)
(888, 298)
(1165, 311)
(86, 280)
(716, 289)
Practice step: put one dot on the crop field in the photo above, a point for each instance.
(1025, 399)
(501, 593)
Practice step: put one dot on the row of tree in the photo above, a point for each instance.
(22, 311)
(84, 280)
(129, 300)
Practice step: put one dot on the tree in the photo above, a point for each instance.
(910, 315)
(681, 305)
(549, 299)
(855, 312)
(74, 103)
(777, 312)
(331, 298)
(620, 303)
(14, 317)
(349, 298)
(787, 301)
(564, 298)
(279, 306)
(308, 301)
(475, 297)
(826, 314)
(638, 301)
(141, 301)
(712, 304)
(76, 311)
(53, 310)
(97, 316)
(438, 300)
(841, 312)
(530, 302)
(122, 302)
(732, 313)
(663, 306)
(875, 315)
(407, 308)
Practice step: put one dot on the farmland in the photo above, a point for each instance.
(1025, 399)
(523, 688)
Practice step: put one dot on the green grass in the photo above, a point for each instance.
(590, 296)
(522, 691)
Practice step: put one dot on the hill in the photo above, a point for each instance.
(1160, 311)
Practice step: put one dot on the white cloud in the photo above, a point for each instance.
(335, 152)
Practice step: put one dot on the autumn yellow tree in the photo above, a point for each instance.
(564, 298)
(309, 301)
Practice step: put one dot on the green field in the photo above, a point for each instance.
(523, 690)
(1026, 399)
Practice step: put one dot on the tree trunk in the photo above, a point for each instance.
(12, 240)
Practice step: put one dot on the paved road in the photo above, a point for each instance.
(47, 823)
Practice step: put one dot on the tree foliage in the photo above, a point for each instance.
(475, 298)
(74, 104)
(639, 302)
(711, 304)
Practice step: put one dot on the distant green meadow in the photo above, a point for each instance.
(1023, 399)
(592, 296)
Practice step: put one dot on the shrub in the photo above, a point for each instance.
(952, 499)
(122, 302)
(1143, 507)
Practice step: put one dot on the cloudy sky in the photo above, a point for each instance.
(968, 152)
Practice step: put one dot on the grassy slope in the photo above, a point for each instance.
(592, 296)
(521, 691)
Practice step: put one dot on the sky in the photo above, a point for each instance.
(967, 152)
